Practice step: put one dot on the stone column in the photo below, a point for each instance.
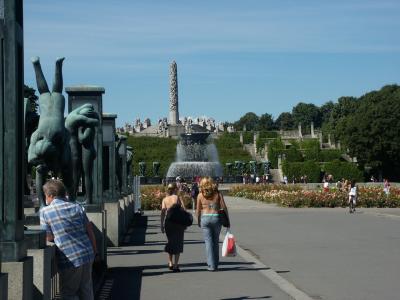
(312, 130)
(173, 94)
(77, 96)
(12, 148)
(255, 137)
(122, 153)
(266, 152)
(109, 157)
(241, 138)
(3, 283)
(112, 203)
(300, 133)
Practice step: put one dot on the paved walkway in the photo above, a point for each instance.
(138, 270)
(285, 253)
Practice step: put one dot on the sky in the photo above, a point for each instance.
(233, 57)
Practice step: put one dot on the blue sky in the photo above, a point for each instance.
(233, 56)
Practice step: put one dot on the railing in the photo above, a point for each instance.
(55, 283)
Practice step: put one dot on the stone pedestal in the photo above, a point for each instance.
(20, 278)
(3, 286)
(109, 168)
(175, 130)
(99, 220)
(42, 259)
(113, 223)
(123, 217)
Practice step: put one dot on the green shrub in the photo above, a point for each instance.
(345, 170)
(298, 169)
(230, 149)
(150, 149)
(330, 155)
(275, 148)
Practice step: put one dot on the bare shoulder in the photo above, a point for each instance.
(169, 201)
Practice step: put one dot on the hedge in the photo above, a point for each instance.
(298, 169)
(341, 170)
(151, 149)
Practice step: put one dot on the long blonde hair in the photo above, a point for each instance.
(208, 187)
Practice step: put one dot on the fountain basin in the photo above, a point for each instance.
(191, 169)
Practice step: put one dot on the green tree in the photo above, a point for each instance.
(29, 93)
(305, 113)
(371, 133)
(284, 121)
(265, 122)
(250, 120)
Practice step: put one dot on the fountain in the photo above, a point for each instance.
(195, 156)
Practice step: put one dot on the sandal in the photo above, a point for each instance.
(175, 270)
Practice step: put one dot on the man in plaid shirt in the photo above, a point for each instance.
(67, 225)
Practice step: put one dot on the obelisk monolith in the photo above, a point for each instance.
(173, 94)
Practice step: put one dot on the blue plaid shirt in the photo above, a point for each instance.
(67, 221)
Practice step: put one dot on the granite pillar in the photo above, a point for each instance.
(113, 225)
(109, 158)
(42, 261)
(312, 130)
(123, 156)
(300, 131)
(77, 96)
(12, 152)
(173, 95)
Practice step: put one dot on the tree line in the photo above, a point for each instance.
(367, 126)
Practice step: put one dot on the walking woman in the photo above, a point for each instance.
(174, 232)
(209, 201)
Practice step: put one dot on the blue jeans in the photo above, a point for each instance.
(211, 229)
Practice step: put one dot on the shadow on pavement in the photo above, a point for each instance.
(121, 283)
(126, 282)
(247, 297)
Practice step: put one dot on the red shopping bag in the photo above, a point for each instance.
(229, 245)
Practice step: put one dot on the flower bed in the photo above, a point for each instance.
(294, 196)
(152, 197)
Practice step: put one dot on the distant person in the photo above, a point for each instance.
(174, 231)
(209, 201)
(386, 186)
(326, 185)
(285, 179)
(352, 197)
(67, 225)
(194, 192)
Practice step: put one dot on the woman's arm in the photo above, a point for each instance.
(198, 209)
(182, 204)
(223, 204)
(163, 211)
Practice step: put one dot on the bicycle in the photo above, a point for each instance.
(352, 204)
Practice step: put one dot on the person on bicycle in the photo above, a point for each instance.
(352, 196)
